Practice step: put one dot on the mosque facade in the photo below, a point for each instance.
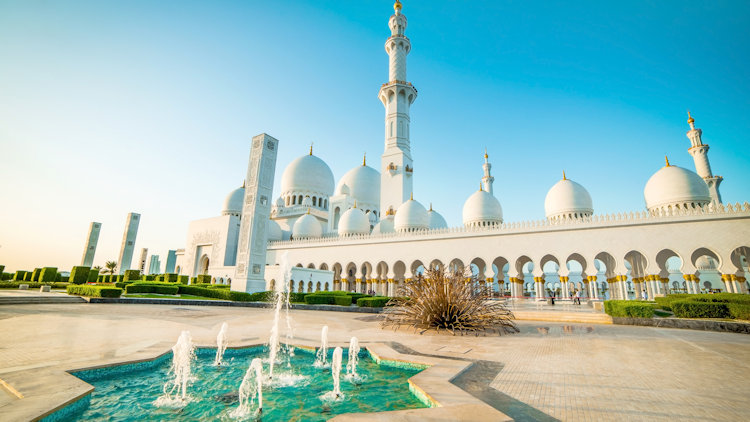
(368, 233)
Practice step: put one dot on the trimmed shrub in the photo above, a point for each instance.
(183, 279)
(151, 288)
(356, 296)
(160, 277)
(47, 274)
(204, 278)
(722, 297)
(64, 279)
(29, 276)
(58, 277)
(148, 277)
(223, 294)
(342, 300)
(373, 302)
(170, 278)
(35, 274)
(297, 297)
(193, 280)
(20, 275)
(93, 276)
(32, 285)
(219, 286)
(319, 299)
(132, 275)
(628, 308)
(739, 311)
(696, 309)
(2, 268)
(6, 276)
(93, 291)
(79, 274)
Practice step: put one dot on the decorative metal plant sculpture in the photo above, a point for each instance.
(448, 301)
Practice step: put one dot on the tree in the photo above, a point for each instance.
(110, 267)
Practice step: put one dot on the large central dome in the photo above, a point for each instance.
(482, 209)
(307, 175)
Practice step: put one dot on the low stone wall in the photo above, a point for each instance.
(691, 324)
(198, 302)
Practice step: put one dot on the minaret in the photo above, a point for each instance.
(397, 95)
(699, 151)
(487, 179)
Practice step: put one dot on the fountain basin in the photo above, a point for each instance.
(128, 391)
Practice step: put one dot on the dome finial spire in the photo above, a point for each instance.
(355, 204)
(564, 178)
(364, 160)
(666, 160)
(411, 197)
(430, 206)
(480, 185)
(311, 145)
(397, 6)
(690, 118)
(243, 183)
(485, 155)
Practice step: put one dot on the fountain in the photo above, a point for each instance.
(221, 344)
(175, 390)
(336, 394)
(351, 364)
(252, 386)
(321, 358)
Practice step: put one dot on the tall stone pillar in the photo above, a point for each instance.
(128, 242)
(256, 210)
(91, 241)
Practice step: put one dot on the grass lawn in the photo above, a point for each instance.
(158, 296)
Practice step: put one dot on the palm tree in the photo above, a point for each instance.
(110, 267)
(98, 268)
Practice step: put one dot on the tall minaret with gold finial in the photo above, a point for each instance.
(487, 179)
(699, 151)
(397, 95)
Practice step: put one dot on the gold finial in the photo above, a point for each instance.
(243, 183)
(311, 144)
(485, 153)
(667, 161)
(690, 118)
(480, 185)
(397, 6)
(364, 160)
(564, 178)
(411, 198)
(355, 204)
(430, 206)
(308, 210)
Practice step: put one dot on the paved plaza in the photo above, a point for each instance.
(548, 371)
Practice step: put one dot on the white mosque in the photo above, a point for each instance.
(368, 233)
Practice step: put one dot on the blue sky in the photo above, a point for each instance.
(119, 106)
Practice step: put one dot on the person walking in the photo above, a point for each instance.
(578, 297)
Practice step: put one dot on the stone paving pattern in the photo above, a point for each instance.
(567, 371)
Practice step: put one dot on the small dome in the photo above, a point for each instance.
(384, 226)
(363, 184)
(307, 226)
(410, 216)
(435, 220)
(274, 231)
(233, 202)
(482, 209)
(307, 175)
(677, 187)
(353, 221)
(705, 262)
(568, 199)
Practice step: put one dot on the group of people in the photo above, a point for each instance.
(574, 297)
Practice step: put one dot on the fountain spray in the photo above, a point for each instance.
(336, 370)
(250, 388)
(175, 390)
(221, 344)
(321, 356)
(351, 364)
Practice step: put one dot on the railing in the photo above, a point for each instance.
(616, 219)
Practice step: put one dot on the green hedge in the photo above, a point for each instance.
(148, 277)
(170, 278)
(122, 284)
(151, 288)
(79, 274)
(628, 308)
(696, 309)
(32, 285)
(183, 279)
(342, 300)
(297, 297)
(94, 291)
(160, 277)
(35, 274)
(6, 276)
(357, 296)
(132, 275)
(2, 268)
(29, 276)
(321, 299)
(47, 275)
(739, 311)
(203, 278)
(373, 302)
(723, 298)
(20, 275)
(224, 294)
(93, 276)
